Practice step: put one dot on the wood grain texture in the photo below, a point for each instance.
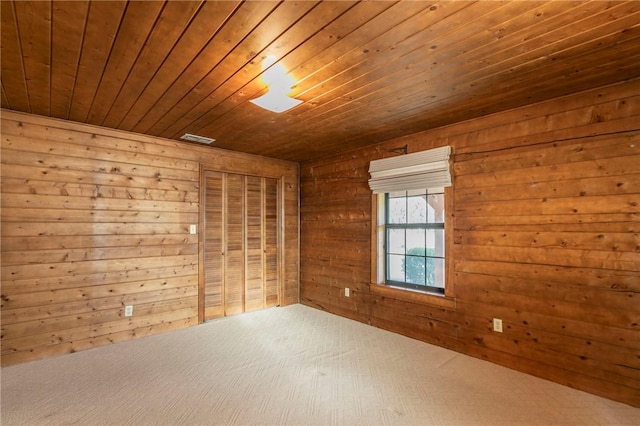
(95, 219)
(545, 234)
(366, 71)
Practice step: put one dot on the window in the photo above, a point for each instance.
(412, 197)
(414, 239)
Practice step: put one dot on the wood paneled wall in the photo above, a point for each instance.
(95, 219)
(546, 237)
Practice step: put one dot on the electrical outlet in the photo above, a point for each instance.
(128, 310)
(193, 229)
(497, 325)
(347, 292)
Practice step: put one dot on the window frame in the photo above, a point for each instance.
(380, 286)
(407, 227)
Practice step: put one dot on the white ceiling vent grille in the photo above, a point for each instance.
(196, 138)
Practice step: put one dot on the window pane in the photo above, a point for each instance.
(395, 241)
(416, 241)
(436, 208)
(397, 210)
(417, 209)
(439, 240)
(435, 242)
(435, 272)
(395, 267)
(415, 269)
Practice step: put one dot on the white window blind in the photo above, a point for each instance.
(420, 170)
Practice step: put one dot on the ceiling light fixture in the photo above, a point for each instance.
(279, 85)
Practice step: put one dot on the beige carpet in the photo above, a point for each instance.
(293, 365)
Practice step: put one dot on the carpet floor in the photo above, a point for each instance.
(288, 366)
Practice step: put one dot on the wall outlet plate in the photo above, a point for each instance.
(347, 292)
(128, 310)
(497, 325)
(193, 229)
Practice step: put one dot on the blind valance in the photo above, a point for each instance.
(420, 170)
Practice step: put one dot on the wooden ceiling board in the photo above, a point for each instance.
(536, 74)
(455, 70)
(497, 93)
(197, 116)
(66, 40)
(11, 63)
(365, 71)
(336, 58)
(194, 40)
(330, 44)
(233, 71)
(381, 75)
(443, 51)
(5, 100)
(100, 31)
(172, 23)
(336, 32)
(35, 24)
(137, 24)
(393, 80)
(209, 65)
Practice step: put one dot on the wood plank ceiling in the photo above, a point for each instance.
(365, 71)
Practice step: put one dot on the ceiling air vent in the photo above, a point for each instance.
(196, 138)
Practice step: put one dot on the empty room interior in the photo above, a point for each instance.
(320, 212)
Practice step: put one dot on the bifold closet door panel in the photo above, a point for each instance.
(270, 233)
(213, 246)
(241, 257)
(254, 271)
(234, 263)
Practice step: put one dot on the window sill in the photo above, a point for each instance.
(414, 296)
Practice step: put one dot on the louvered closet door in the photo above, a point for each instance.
(241, 246)
(271, 236)
(235, 245)
(254, 290)
(213, 245)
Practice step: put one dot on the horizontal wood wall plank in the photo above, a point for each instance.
(99, 178)
(17, 214)
(12, 229)
(50, 256)
(96, 219)
(172, 269)
(29, 142)
(71, 242)
(108, 333)
(614, 278)
(54, 161)
(33, 186)
(609, 222)
(21, 307)
(545, 237)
